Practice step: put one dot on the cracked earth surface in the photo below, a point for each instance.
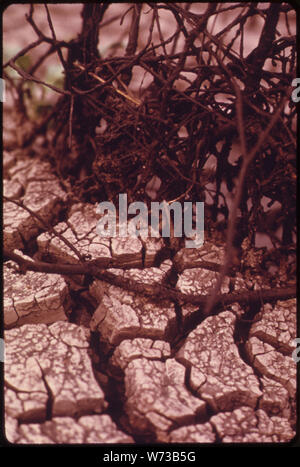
(89, 362)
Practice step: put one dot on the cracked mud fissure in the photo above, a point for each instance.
(88, 361)
(164, 371)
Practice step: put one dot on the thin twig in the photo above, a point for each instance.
(29, 77)
(46, 225)
(23, 51)
(247, 159)
(54, 37)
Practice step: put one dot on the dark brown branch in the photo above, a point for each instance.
(258, 56)
(95, 268)
(143, 141)
(23, 51)
(247, 159)
(54, 38)
(45, 225)
(158, 291)
(29, 77)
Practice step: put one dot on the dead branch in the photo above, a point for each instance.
(203, 96)
(95, 268)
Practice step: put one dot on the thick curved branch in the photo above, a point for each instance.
(155, 291)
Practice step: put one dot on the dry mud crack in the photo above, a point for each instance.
(89, 362)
